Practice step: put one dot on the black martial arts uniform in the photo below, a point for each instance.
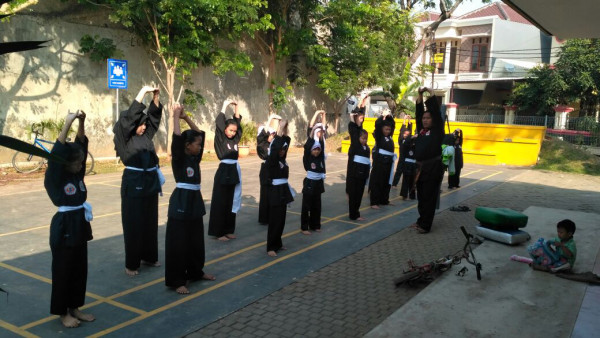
(430, 171)
(184, 242)
(398, 172)
(312, 188)
(279, 195)
(409, 166)
(357, 173)
(222, 220)
(379, 184)
(454, 180)
(140, 185)
(262, 149)
(69, 232)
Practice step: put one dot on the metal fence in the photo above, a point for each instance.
(579, 130)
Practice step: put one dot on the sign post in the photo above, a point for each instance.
(117, 77)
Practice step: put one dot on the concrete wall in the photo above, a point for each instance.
(522, 40)
(44, 84)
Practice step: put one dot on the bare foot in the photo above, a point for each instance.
(208, 277)
(131, 273)
(154, 264)
(182, 290)
(361, 219)
(272, 253)
(318, 230)
(86, 317)
(306, 232)
(283, 248)
(231, 236)
(69, 321)
(223, 238)
(392, 204)
(376, 207)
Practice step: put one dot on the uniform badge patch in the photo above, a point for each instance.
(228, 146)
(81, 186)
(189, 171)
(281, 165)
(313, 166)
(70, 189)
(235, 147)
(410, 153)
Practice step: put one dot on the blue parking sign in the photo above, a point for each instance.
(117, 74)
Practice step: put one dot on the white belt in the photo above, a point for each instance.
(161, 177)
(395, 157)
(237, 193)
(311, 175)
(410, 160)
(188, 186)
(362, 160)
(88, 210)
(282, 181)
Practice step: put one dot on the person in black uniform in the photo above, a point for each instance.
(428, 150)
(383, 160)
(70, 228)
(409, 164)
(280, 193)
(454, 180)
(142, 180)
(313, 187)
(402, 136)
(227, 189)
(184, 242)
(359, 163)
(265, 136)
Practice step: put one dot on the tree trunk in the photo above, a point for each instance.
(170, 103)
(271, 80)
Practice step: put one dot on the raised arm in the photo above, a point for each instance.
(62, 137)
(154, 114)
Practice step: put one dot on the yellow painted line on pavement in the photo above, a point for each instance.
(14, 329)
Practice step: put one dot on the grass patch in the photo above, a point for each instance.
(557, 155)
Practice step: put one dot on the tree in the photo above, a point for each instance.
(543, 89)
(578, 64)
(291, 32)
(362, 44)
(185, 34)
(575, 76)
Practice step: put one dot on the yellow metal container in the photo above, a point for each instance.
(485, 143)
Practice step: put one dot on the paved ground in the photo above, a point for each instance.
(337, 283)
(352, 296)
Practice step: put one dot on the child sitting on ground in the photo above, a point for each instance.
(558, 253)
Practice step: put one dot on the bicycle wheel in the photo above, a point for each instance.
(26, 163)
(89, 164)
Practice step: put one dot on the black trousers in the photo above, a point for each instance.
(69, 278)
(277, 216)
(379, 186)
(355, 188)
(221, 221)
(454, 180)
(263, 203)
(427, 192)
(184, 251)
(139, 216)
(311, 212)
(407, 186)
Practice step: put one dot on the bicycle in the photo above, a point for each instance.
(429, 271)
(27, 163)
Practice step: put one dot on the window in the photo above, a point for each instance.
(479, 55)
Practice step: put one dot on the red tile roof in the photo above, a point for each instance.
(429, 16)
(499, 9)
